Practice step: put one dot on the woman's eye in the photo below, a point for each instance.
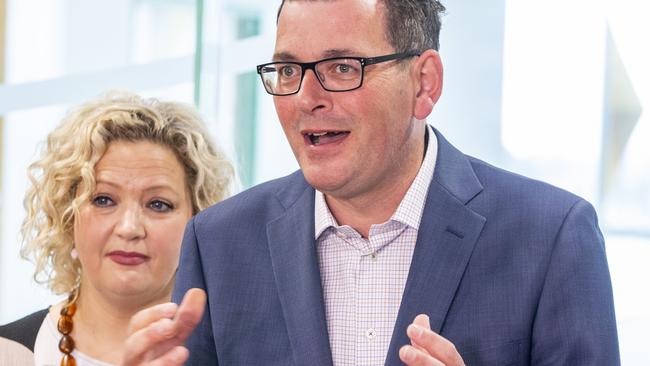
(102, 201)
(160, 206)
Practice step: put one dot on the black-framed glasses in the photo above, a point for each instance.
(335, 74)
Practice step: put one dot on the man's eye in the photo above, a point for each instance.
(102, 201)
(288, 71)
(160, 206)
(343, 68)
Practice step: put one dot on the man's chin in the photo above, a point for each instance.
(326, 183)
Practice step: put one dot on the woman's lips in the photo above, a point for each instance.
(127, 258)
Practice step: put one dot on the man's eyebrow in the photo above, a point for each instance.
(339, 52)
(284, 56)
(335, 52)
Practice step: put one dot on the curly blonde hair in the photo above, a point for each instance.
(69, 158)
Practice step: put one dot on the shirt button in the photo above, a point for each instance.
(370, 254)
(371, 333)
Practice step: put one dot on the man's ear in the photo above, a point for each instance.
(428, 76)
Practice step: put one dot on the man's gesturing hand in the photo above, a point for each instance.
(157, 334)
(428, 348)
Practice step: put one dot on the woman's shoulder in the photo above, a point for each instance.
(24, 330)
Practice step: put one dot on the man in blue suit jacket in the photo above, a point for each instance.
(504, 270)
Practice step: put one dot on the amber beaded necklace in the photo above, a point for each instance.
(64, 325)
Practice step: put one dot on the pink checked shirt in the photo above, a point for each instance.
(363, 279)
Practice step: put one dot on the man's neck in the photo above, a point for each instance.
(378, 204)
(361, 214)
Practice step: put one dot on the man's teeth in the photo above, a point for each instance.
(314, 137)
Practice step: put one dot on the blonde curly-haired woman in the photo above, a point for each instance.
(110, 197)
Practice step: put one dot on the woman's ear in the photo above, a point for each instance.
(428, 75)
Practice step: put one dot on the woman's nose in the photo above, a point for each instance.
(130, 223)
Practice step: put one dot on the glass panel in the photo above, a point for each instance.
(81, 36)
(246, 107)
(231, 93)
(22, 134)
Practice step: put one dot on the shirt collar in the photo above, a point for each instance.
(410, 209)
(322, 215)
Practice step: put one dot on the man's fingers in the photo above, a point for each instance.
(157, 338)
(189, 312)
(423, 321)
(174, 357)
(146, 339)
(413, 356)
(434, 344)
(147, 316)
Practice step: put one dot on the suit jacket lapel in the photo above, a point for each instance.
(297, 275)
(446, 238)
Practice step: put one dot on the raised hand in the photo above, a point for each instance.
(428, 348)
(157, 334)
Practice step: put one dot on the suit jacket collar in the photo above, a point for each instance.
(297, 275)
(446, 238)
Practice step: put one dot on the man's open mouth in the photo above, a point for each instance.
(326, 137)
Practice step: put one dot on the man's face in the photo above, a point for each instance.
(371, 139)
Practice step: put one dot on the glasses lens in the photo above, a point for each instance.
(281, 78)
(340, 74)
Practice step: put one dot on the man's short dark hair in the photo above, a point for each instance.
(411, 25)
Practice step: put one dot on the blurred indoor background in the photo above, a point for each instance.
(557, 90)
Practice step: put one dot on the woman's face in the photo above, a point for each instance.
(128, 234)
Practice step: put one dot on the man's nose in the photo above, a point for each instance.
(312, 94)
(310, 80)
(130, 225)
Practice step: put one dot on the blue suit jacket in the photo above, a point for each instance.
(511, 270)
